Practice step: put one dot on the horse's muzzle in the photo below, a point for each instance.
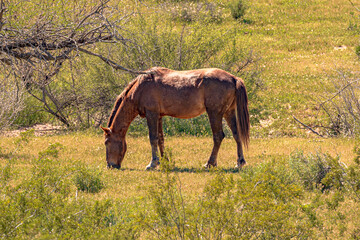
(109, 165)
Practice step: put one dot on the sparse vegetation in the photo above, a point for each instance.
(238, 8)
(295, 185)
(278, 195)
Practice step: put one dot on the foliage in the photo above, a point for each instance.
(357, 51)
(322, 171)
(238, 8)
(262, 203)
(189, 11)
(312, 170)
(11, 100)
(271, 199)
(88, 180)
(43, 204)
(38, 37)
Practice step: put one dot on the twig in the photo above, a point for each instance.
(357, 9)
(312, 130)
(112, 63)
(2, 10)
(338, 92)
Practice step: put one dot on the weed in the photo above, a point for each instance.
(357, 51)
(167, 162)
(88, 180)
(238, 9)
(312, 170)
(228, 208)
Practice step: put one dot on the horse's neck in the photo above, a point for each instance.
(124, 116)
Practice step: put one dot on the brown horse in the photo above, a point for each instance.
(181, 94)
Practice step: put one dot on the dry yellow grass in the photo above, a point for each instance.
(189, 154)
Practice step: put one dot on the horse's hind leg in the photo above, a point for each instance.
(231, 120)
(152, 119)
(218, 136)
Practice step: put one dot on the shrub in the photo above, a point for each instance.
(317, 170)
(238, 9)
(262, 203)
(195, 11)
(42, 205)
(88, 180)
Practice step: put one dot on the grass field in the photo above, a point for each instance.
(182, 185)
(189, 153)
(303, 45)
(295, 185)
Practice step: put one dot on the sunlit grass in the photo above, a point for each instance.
(189, 154)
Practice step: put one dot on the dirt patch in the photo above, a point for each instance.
(39, 130)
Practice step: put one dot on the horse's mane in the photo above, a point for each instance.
(120, 99)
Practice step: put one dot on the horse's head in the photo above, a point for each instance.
(115, 148)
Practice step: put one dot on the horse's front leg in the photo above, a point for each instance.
(152, 119)
(161, 138)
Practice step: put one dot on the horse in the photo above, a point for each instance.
(163, 92)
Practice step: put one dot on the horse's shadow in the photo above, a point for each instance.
(187, 170)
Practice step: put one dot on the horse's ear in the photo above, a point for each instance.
(106, 130)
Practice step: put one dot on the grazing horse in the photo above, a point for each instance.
(181, 94)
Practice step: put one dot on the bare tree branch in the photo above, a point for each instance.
(312, 130)
(112, 63)
(34, 50)
(340, 91)
(2, 10)
(357, 9)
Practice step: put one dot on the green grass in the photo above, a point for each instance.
(55, 169)
(298, 42)
(189, 154)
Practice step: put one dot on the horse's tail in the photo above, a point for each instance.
(242, 112)
(119, 100)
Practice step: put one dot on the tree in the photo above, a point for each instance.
(38, 37)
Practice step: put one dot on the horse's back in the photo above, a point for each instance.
(186, 94)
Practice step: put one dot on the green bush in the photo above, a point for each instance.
(43, 204)
(238, 9)
(357, 51)
(262, 203)
(317, 170)
(88, 180)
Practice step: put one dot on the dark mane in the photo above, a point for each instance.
(151, 71)
(120, 98)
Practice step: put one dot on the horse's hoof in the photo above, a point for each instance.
(209, 165)
(149, 167)
(152, 165)
(240, 163)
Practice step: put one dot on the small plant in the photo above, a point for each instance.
(317, 170)
(228, 208)
(52, 151)
(167, 164)
(88, 180)
(357, 51)
(238, 9)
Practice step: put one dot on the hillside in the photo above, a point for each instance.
(304, 44)
(296, 50)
